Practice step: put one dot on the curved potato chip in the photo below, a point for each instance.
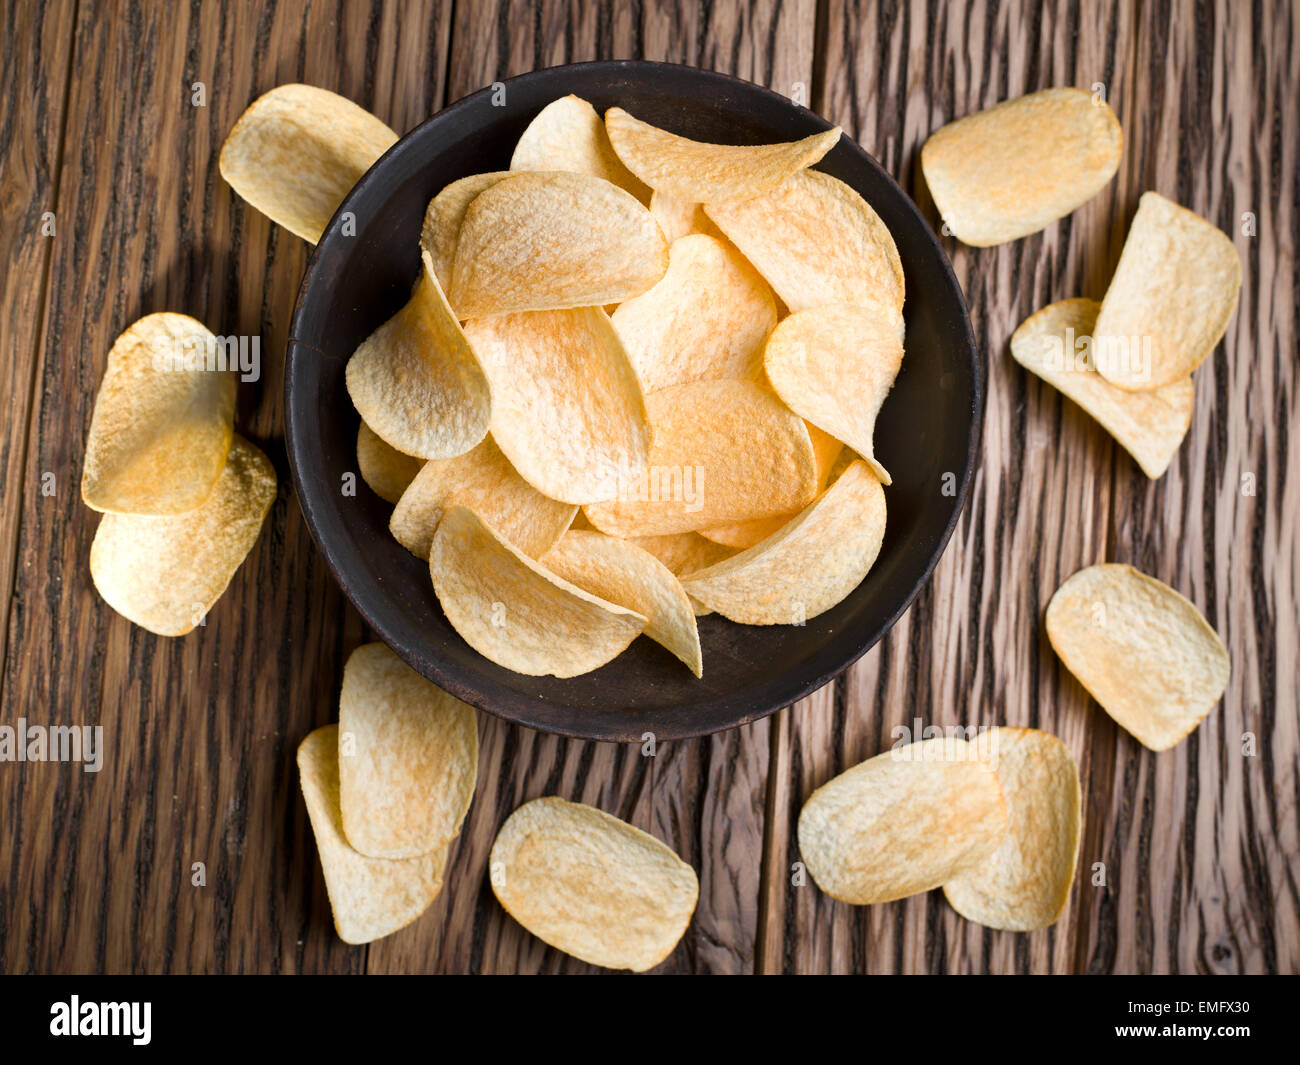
(443, 218)
(416, 382)
(547, 241)
(567, 134)
(834, 366)
(517, 613)
(903, 822)
(567, 406)
(683, 552)
(743, 534)
(807, 566)
(817, 242)
(1150, 426)
(386, 470)
(296, 152)
(163, 421)
(407, 772)
(591, 885)
(370, 897)
(484, 481)
(619, 571)
(1025, 883)
(164, 574)
(709, 173)
(1015, 168)
(1169, 303)
(680, 218)
(721, 451)
(1145, 653)
(706, 319)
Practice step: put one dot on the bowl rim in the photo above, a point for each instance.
(453, 684)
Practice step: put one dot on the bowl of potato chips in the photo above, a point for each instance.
(628, 399)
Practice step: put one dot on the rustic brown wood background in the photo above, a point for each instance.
(1200, 845)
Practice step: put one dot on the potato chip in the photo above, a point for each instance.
(296, 153)
(416, 382)
(1025, 883)
(567, 407)
(1015, 168)
(1145, 653)
(709, 173)
(164, 574)
(163, 421)
(546, 241)
(1150, 426)
(517, 613)
(705, 320)
(683, 552)
(1169, 302)
(385, 469)
(370, 897)
(619, 571)
(591, 885)
(834, 366)
(721, 451)
(680, 218)
(806, 567)
(443, 218)
(484, 481)
(407, 757)
(817, 242)
(903, 822)
(567, 134)
(743, 534)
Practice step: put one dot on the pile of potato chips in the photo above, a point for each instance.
(689, 343)
(183, 497)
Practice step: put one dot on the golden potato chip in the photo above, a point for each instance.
(567, 134)
(683, 552)
(1145, 653)
(164, 574)
(416, 382)
(443, 218)
(705, 320)
(517, 613)
(807, 566)
(567, 407)
(817, 242)
(619, 571)
(1025, 883)
(387, 471)
(370, 897)
(1013, 169)
(538, 241)
(834, 366)
(709, 173)
(680, 218)
(721, 451)
(407, 757)
(484, 481)
(163, 421)
(903, 822)
(296, 153)
(743, 534)
(591, 885)
(1150, 426)
(1169, 302)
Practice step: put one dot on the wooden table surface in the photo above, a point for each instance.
(1199, 845)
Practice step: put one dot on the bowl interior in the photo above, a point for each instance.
(926, 435)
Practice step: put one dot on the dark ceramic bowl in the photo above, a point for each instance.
(929, 427)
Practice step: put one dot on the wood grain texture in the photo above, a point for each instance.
(1200, 845)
